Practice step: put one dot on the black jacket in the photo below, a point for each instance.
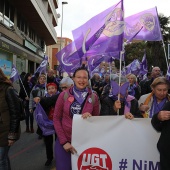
(164, 140)
(10, 116)
(107, 108)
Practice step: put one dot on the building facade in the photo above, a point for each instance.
(26, 28)
(52, 50)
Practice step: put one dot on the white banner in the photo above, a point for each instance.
(114, 143)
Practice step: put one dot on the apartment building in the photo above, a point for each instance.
(26, 28)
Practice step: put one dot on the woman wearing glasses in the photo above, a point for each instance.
(78, 99)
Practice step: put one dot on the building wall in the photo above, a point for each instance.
(52, 50)
(25, 28)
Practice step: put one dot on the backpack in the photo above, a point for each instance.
(21, 105)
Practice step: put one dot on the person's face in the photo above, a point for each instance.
(29, 78)
(156, 72)
(131, 79)
(42, 80)
(51, 90)
(160, 91)
(81, 79)
(107, 78)
(50, 73)
(63, 86)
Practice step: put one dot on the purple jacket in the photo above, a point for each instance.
(62, 119)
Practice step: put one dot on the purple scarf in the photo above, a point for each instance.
(131, 89)
(157, 107)
(39, 86)
(80, 95)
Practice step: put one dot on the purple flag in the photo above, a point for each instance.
(101, 34)
(69, 58)
(42, 120)
(134, 67)
(43, 66)
(14, 74)
(147, 19)
(168, 74)
(143, 65)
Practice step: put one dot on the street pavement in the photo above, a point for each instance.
(28, 153)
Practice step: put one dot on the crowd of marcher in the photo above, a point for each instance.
(61, 98)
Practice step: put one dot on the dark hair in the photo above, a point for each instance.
(26, 77)
(81, 68)
(3, 78)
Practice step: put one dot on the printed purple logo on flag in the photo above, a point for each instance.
(149, 22)
(69, 58)
(14, 74)
(43, 66)
(143, 65)
(102, 33)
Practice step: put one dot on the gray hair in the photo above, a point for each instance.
(113, 76)
(122, 79)
(67, 80)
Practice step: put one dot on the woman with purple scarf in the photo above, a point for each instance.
(124, 104)
(37, 91)
(78, 99)
(153, 102)
(134, 88)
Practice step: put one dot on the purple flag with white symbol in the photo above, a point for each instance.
(69, 58)
(101, 34)
(14, 74)
(42, 120)
(43, 66)
(134, 67)
(168, 74)
(147, 19)
(143, 65)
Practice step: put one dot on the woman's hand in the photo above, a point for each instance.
(164, 115)
(86, 115)
(129, 116)
(117, 105)
(144, 108)
(11, 142)
(69, 148)
(36, 99)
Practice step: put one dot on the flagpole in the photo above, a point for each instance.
(23, 86)
(165, 53)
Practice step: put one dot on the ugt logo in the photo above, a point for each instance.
(94, 158)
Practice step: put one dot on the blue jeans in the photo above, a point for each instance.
(4, 159)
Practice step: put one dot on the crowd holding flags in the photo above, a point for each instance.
(102, 38)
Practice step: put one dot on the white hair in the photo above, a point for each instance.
(67, 80)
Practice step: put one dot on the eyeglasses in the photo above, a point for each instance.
(63, 88)
(84, 78)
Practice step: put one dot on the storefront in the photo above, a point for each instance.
(23, 59)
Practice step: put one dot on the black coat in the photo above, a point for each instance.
(108, 103)
(9, 113)
(164, 140)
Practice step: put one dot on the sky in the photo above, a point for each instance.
(77, 12)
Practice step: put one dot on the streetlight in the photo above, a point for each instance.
(63, 3)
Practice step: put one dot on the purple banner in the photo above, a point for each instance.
(143, 65)
(43, 66)
(14, 74)
(69, 58)
(101, 34)
(149, 22)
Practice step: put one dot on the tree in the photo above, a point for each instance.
(154, 49)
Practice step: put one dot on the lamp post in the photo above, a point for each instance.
(63, 3)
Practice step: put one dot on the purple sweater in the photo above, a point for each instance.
(62, 119)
